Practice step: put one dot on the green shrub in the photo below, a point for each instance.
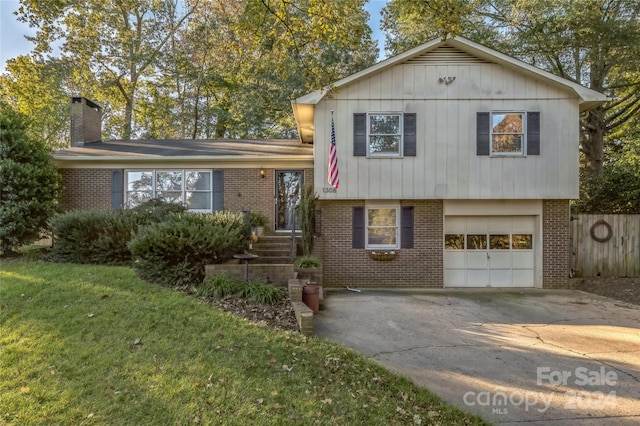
(174, 252)
(29, 183)
(156, 210)
(258, 219)
(101, 237)
(220, 286)
(307, 262)
(93, 236)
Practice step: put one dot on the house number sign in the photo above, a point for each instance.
(329, 190)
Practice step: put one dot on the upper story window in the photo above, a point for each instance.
(508, 133)
(192, 188)
(384, 134)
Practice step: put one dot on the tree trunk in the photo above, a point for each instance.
(594, 144)
(128, 118)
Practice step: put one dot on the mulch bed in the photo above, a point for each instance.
(280, 316)
(623, 289)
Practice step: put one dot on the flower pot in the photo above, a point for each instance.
(311, 297)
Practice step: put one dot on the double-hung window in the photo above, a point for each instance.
(192, 188)
(508, 133)
(384, 134)
(383, 226)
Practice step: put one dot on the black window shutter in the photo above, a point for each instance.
(359, 134)
(116, 189)
(406, 227)
(533, 133)
(483, 141)
(357, 240)
(218, 188)
(410, 134)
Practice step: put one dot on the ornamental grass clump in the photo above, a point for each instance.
(221, 286)
(174, 252)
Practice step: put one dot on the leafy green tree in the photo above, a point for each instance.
(593, 42)
(36, 89)
(29, 182)
(119, 41)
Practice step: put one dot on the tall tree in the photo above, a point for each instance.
(36, 89)
(593, 42)
(118, 40)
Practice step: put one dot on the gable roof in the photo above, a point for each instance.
(452, 50)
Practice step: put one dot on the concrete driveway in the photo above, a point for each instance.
(536, 357)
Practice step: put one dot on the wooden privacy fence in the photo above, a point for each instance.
(606, 245)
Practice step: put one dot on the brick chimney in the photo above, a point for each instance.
(86, 121)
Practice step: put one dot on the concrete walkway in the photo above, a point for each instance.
(527, 357)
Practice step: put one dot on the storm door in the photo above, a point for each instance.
(288, 191)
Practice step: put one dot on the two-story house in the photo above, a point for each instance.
(456, 165)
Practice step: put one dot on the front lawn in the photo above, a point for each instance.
(95, 345)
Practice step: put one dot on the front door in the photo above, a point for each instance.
(288, 191)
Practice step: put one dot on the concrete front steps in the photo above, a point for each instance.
(273, 249)
(273, 264)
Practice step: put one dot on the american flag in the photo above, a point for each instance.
(334, 179)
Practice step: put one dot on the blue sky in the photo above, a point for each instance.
(13, 43)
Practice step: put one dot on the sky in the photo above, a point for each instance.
(14, 43)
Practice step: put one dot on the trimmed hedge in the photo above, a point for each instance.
(173, 252)
(101, 237)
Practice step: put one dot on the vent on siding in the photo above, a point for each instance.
(446, 55)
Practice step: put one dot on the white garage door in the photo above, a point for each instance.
(489, 251)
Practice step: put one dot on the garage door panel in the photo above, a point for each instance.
(500, 277)
(455, 260)
(522, 278)
(457, 277)
(523, 259)
(477, 278)
(500, 260)
(477, 259)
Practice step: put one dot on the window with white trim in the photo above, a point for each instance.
(508, 130)
(192, 188)
(384, 134)
(383, 227)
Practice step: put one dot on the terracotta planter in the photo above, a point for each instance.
(311, 297)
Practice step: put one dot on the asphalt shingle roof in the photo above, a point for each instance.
(187, 148)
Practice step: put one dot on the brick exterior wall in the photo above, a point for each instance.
(556, 243)
(245, 189)
(86, 189)
(421, 266)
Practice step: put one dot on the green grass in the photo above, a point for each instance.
(90, 345)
